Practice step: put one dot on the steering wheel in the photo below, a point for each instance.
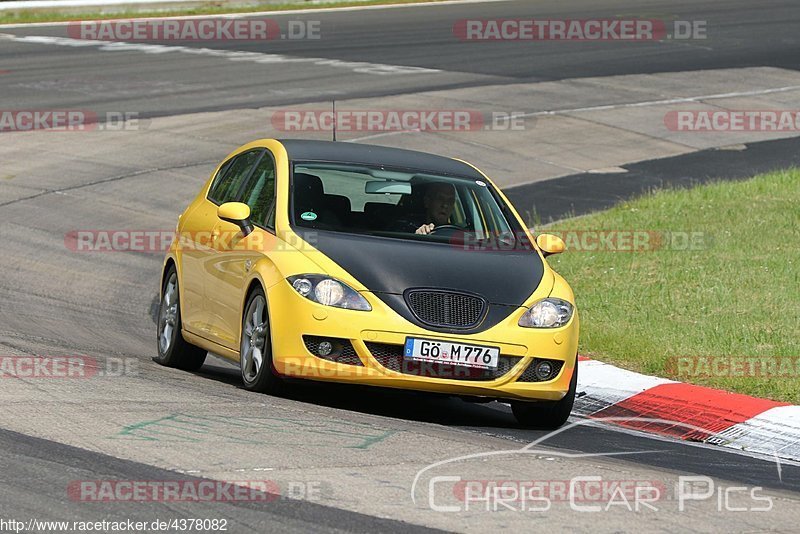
(446, 230)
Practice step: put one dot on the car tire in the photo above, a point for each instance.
(255, 347)
(547, 414)
(173, 350)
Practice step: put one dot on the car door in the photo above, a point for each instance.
(235, 255)
(197, 233)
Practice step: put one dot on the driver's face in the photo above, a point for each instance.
(439, 203)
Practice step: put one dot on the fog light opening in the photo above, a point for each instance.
(543, 370)
(325, 348)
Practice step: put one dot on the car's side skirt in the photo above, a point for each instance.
(210, 346)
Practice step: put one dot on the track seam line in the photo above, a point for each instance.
(108, 180)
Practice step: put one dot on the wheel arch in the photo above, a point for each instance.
(254, 283)
(168, 262)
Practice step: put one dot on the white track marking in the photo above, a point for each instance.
(770, 457)
(773, 434)
(360, 67)
(3, 5)
(603, 385)
(681, 100)
(775, 431)
(379, 135)
(665, 102)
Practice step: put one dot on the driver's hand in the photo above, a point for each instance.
(425, 229)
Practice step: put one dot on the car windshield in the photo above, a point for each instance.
(400, 203)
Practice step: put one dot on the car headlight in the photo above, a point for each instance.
(328, 291)
(547, 313)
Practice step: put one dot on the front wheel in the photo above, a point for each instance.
(173, 350)
(547, 414)
(255, 347)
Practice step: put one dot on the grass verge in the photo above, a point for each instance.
(212, 8)
(723, 311)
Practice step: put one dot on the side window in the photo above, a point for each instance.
(230, 179)
(259, 192)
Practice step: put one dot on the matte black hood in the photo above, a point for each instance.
(388, 267)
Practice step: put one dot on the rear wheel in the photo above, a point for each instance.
(547, 414)
(173, 350)
(255, 347)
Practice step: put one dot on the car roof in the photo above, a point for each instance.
(344, 152)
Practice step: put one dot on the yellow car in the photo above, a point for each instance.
(362, 264)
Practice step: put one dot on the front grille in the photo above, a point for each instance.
(343, 351)
(528, 375)
(446, 308)
(391, 357)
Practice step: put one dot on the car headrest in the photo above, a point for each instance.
(414, 203)
(338, 202)
(307, 187)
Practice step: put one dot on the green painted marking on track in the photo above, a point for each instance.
(181, 427)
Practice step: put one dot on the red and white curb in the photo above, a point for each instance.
(688, 412)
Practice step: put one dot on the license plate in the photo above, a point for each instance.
(428, 350)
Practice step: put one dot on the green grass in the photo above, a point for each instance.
(738, 297)
(211, 8)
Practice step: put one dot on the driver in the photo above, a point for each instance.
(439, 199)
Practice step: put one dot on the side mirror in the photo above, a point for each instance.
(238, 214)
(550, 244)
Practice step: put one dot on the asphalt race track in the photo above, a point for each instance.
(742, 35)
(338, 458)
